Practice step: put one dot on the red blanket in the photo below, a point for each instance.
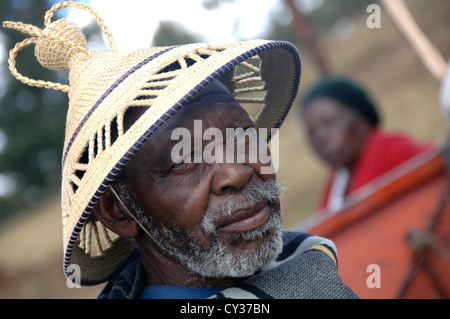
(382, 152)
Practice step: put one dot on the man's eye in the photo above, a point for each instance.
(178, 165)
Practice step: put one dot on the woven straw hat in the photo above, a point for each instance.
(103, 85)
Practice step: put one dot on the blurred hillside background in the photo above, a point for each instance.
(32, 120)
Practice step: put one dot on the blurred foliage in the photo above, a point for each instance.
(32, 119)
(324, 17)
(171, 33)
(214, 4)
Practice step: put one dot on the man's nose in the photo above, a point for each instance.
(230, 177)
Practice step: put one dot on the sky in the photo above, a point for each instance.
(133, 22)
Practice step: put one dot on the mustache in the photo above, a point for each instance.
(270, 190)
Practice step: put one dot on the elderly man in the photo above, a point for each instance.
(155, 225)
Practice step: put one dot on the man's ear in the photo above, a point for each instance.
(113, 215)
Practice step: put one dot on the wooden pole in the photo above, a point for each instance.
(307, 36)
(404, 21)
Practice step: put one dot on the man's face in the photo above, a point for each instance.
(220, 219)
(336, 133)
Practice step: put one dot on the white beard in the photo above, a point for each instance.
(217, 260)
